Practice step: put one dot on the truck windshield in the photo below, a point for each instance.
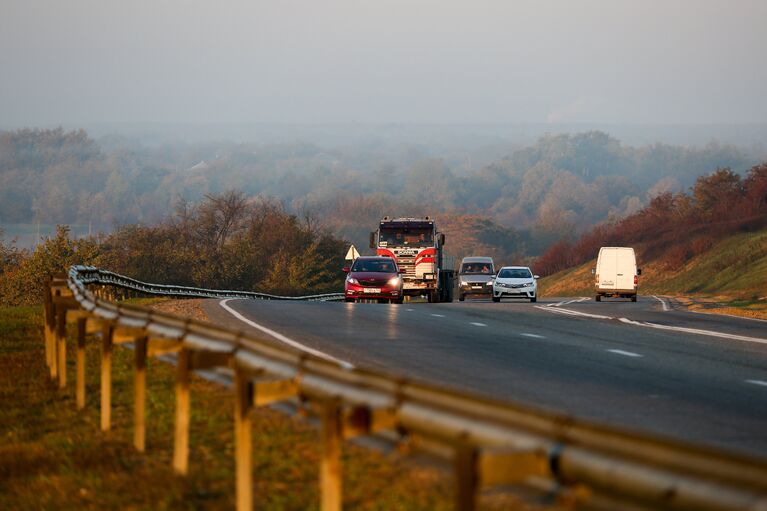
(407, 237)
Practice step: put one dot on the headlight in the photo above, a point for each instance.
(463, 282)
(352, 280)
(490, 283)
(394, 282)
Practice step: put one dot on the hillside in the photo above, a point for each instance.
(732, 272)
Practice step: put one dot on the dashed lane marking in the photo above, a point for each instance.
(477, 324)
(534, 336)
(758, 382)
(283, 338)
(625, 353)
(438, 315)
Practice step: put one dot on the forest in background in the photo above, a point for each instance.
(512, 208)
(227, 241)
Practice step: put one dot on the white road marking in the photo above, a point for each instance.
(694, 331)
(758, 382)
(477, 324)
(625, 353)
(663, 303)
(283, 338)
(410, 310)
(571, 312)
(438, 315)
(534, 336)
(565, 302)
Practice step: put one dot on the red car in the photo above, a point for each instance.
(373, 277)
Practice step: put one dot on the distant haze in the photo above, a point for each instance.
(80, 62)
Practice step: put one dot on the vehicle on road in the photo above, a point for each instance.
(616, 273)
(475, 277)
(373, 278)
(515, 282)
(417, 247)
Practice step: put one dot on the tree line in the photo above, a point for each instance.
(226, 241)
(675, 227)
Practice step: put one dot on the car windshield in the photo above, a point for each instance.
(476, 269)
(407, 237)
(515, 273)
(374, 265)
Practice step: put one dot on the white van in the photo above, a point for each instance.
(616, 273)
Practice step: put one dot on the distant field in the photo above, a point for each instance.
(28, 235)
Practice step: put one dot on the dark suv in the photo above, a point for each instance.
(373, 277)
(476, 277)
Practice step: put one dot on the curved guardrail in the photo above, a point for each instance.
(488, 442)
(86, 275)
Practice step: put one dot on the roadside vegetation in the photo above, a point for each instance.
(54, 457)
(225, 242)
(710, 243)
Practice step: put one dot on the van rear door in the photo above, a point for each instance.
(625, 266)
(607, 268)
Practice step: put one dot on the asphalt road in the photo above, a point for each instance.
(643, 365)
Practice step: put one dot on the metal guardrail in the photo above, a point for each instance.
(489, 443)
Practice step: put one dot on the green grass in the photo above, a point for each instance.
(732, 272)
(54, 457)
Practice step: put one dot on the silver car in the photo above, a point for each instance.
(475, 277)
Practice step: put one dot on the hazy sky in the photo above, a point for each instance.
(84, 61)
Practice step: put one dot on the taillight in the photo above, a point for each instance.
(636, 280)
(597, 277)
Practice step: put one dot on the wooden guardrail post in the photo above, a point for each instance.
(181, 437)
(106, 376)
(243, 404)
(465, 473)
(80, 378)
(48, 321)
(61, 344)
(330, 463)
(139, 415)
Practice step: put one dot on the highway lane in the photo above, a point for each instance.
(553, 354)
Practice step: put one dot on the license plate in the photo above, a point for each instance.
(372, 290)
(476, 287)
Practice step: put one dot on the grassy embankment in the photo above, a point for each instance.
(729, 277)
(54, 457)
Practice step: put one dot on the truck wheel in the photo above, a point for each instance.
(598, 298)
(349, 300)
(633, 298)
(433, 296)
(461, 297)
(398, 300)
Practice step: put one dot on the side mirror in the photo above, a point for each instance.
(442, 238)
(536, 277)
(593, 271)
(347, 269)
(372, 240)
(639, 271)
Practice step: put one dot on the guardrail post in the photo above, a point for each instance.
(465, 472)
(181, 437)
(61, 344)
(243, 404)
(106, 376)
(139, 415)
(330, 463)
(48, 321)
(80, 383)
